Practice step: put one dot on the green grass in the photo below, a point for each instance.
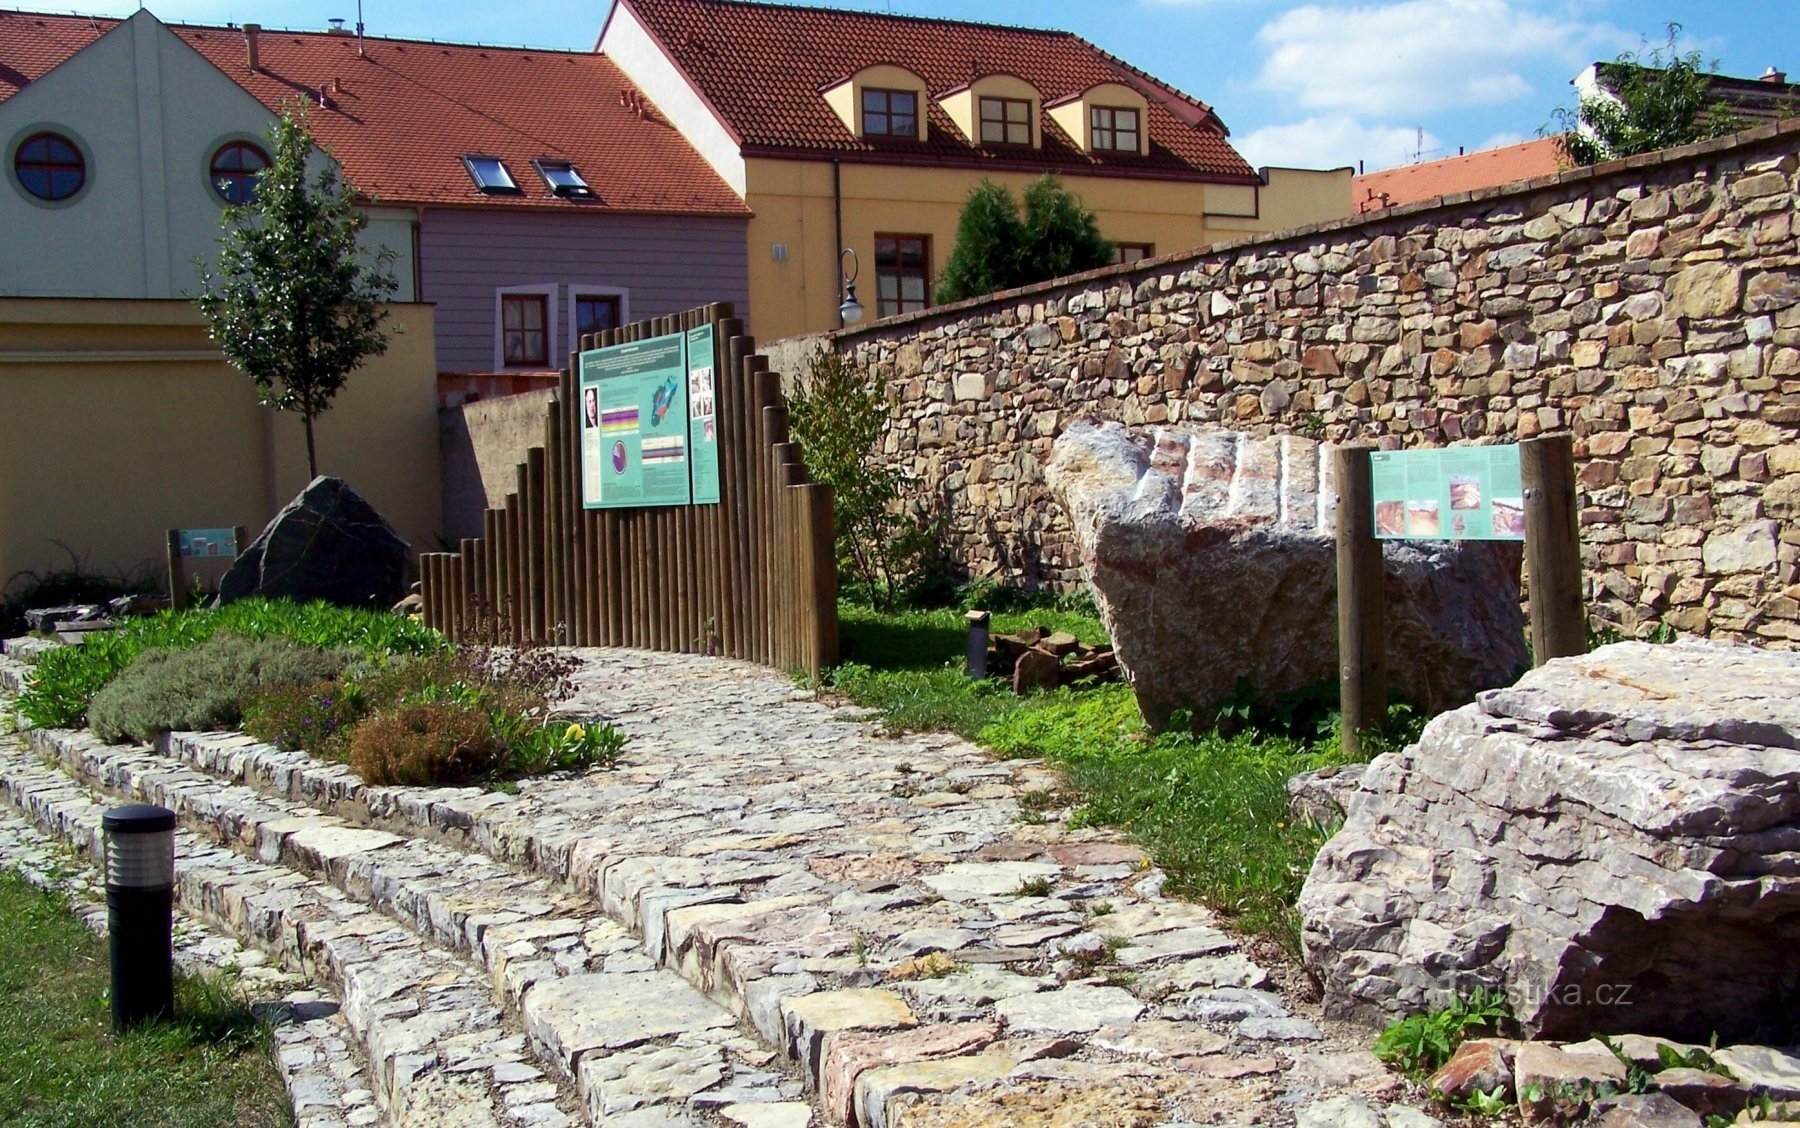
(1211, 809)
(61, 1066)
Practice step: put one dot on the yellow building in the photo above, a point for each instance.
(865, 132)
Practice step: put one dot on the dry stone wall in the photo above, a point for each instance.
(1652, 307)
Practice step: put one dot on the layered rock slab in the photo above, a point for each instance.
(1212, 558)
(1614, 841)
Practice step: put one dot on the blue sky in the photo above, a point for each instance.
(1299, 82)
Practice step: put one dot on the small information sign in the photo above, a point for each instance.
(634, 425)
(703, 415)
(1456, 493)
(207, 542)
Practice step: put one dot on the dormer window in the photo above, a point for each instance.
(890, 113)
(562, 179)
(1005, 121)
(491, 177)
(1114, 129)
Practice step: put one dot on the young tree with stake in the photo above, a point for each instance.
(295, 304)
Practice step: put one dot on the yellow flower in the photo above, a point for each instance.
(575, 732)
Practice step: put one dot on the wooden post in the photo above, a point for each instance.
(177, 573)
(1552, 548)
(1362, 626)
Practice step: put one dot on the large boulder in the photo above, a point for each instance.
(1614, 841)
(1213, 561)
(327, 544)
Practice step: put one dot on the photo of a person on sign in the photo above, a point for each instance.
(591, 398)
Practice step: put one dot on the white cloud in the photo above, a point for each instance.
(1331, 141)
(1416, 56)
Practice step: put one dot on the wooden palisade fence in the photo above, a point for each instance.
(753, 576)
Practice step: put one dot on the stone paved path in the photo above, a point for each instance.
(880, 912)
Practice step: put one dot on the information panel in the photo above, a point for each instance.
(207, 542)
(634, 425)
(703, 416)
(1455, 493)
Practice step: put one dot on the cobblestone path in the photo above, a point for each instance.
(772, 915)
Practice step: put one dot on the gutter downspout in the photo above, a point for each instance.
(837, 214)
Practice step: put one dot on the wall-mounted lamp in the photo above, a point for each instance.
(850, 311)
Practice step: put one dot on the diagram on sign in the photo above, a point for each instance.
(634, 443)
(1457, 493)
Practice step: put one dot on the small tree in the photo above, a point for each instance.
(1662, 99)
(839, 413)
(293, 304)
(988, 239)
(996, 249)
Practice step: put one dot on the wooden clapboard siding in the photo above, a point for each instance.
(665, 263)
(752, 577)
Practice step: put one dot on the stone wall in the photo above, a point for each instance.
(1651, 306)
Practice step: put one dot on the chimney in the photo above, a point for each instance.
(1779, 78)
(251, 33)
(337, 26)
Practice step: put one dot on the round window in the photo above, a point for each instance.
(235, 169)
(49, 166)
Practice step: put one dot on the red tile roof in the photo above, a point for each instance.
(762, 67)
(408, 110)
(1487, 168)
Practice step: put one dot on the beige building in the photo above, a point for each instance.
(865, 132)
(119, 419)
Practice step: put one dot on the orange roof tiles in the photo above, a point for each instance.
(1487, 168)
(400, 116)
(762, 67)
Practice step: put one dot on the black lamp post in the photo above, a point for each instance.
(140, 906)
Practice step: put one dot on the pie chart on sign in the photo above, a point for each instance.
(618, 457)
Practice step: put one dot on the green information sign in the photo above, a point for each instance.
(634, 425)
(1456, 493)
(703, 415)
(198, 543)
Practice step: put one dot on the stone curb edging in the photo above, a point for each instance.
(602, 1030)
(314, 1049)
(429, 1029)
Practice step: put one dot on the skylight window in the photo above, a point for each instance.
(490, 176)
(562, 178)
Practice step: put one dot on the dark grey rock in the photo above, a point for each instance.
(327, 544)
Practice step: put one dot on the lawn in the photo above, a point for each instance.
(60, 1064)
(1210, 808)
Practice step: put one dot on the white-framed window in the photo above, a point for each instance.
(590, 307)
(525, 327)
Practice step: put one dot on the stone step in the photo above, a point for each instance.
(13, 673)
(315, 1050)
(626, 1033)
(440, 1051)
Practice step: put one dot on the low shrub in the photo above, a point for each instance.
(558, 747)
(439, 742)
(66, 679)
(316, 717)
(203, 687)
(1420, 1044)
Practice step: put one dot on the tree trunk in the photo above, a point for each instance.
(312, 457)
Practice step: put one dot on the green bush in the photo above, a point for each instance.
(203, 687)
(316, 717)
(67, 678)
(1419, 1044)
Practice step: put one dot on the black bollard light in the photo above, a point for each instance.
(140, 906)
(978, 643)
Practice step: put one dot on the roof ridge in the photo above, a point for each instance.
(897, 17)
(268, 29)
